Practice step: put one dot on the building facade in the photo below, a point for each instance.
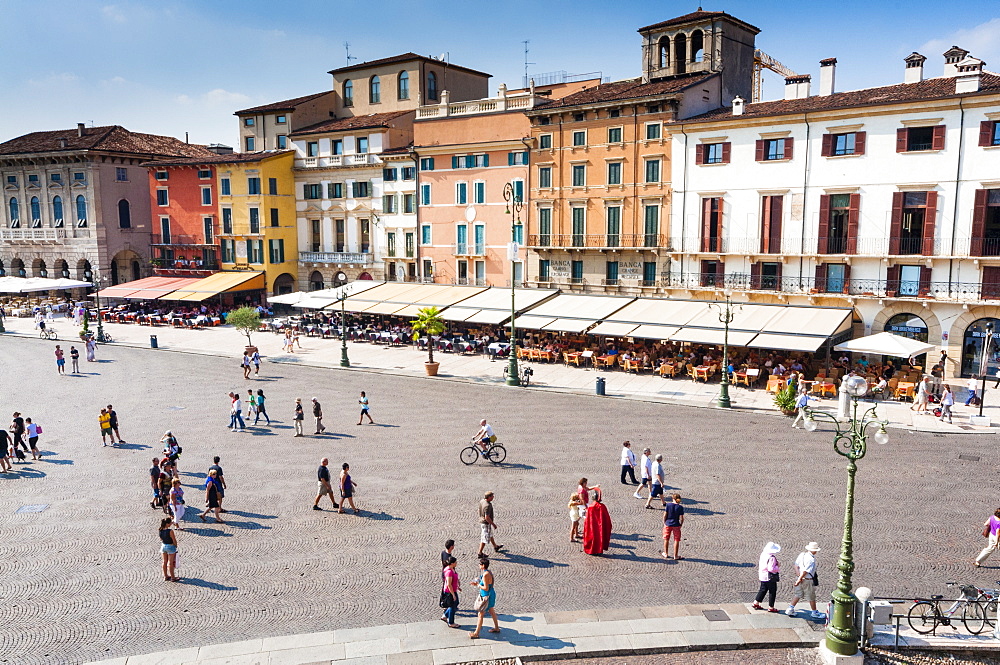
(76, 202)
(399, 214)
(268, 127)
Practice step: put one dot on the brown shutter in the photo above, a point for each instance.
(930, 218)
(986, 133)
(760, 150)
(859, 142)
(824, 224)
(901, 136)
(702, 279)
(720, 272)
(847, 278)
(979, 222)
(896, 223)
(821, 277)
(777, 277)
(991, 283)
(827, 150)
(706, 224)
(788, 147)
(925, 281)
(725, 151)
(937, 141)
(853, 215)
(774, 239)
(699, 155)
(892, 281)
(754, 276)
(765, 224)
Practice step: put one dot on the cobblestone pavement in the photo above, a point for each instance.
(81, 579)
(732, 657)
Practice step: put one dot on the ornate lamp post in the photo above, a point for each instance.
(344, 361)
(96, 280)
(984, 364)
(725, 317)
(852, 443)
(514, 208)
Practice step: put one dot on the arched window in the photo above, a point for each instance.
(680, 54)
(15, 211)
(375, 90)
(81, 210)
(663, 54)
(697, 46)
(124, 215)
(432, 86)
(36, 210)
(57, 212)
(348, 93)
(403, 85)
(316, 281)
(972, 348)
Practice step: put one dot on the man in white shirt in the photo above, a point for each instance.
(973, 385)
(656, 476)
(645, 472)
(485, 436)
(628, 463)
(806, 582)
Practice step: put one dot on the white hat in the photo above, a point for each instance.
(772, 548)
(812, 547)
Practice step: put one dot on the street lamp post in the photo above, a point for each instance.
(725, 317)
(96, 277)
(514, 207)
(984, 364)
(344, 361)
(850, 442)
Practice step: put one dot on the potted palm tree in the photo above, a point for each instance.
(430, 323)
(785, 400)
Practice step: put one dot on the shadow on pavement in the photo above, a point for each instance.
(205, 531)
(240, 513)
(132, 446)
(523, 467)
(529, 561)
(215, 586)
(54, 460)
(380, 516)
(24, 471)
(717, 562)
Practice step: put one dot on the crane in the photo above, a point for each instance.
(762, 61)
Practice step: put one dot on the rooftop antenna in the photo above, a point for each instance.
(347, 47)
(526, 63)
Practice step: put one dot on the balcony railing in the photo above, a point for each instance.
(362, 258)
(600, 241)
(174, 240)
(469, 281)
(32, 235)
(362, 159)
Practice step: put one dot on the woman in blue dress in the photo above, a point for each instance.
(487, 598)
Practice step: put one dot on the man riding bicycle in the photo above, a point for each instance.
(485, 436)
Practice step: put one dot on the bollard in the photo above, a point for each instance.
(599, 388)
(153, 343)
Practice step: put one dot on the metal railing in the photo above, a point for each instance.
(360, 159)
(600, 241)
(363, 258)
(32, 235)
(176, 240)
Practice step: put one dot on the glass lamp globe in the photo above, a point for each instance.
(863, 593)
(881, 436)
(856, 386)
(811, 424)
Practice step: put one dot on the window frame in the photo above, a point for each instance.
(615, 165)
(580, 134)
(652, 163)
(649, 126)
(545, 141)
(206, 195)
(162, 196)
(580, 169)
(620, 134)
(545, 177)
(425, 194)
(462, 193)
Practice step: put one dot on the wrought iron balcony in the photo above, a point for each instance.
(362, 258)
(599, 241)
(32, 235)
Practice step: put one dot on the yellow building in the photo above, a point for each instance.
(257, 213)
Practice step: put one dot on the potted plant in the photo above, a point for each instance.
(246, 320)
(784, 399)
(85, 331)
(430, 323)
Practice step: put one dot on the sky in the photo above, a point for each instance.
(176, 66)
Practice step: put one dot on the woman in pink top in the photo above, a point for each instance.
(993, 524)
(584, 493)
(450, 588)
(767, 574)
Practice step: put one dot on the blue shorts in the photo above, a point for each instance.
(60, 362)
(168, 549)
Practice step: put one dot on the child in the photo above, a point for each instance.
(574, 515)
(364, 409)
(252, 401)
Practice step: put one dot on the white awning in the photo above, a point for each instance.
(655, 332)
(575, 326)
(712, 336)
(533, 322)
(787, 342)
(613, 329)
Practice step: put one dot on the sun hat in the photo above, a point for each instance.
(772, 548)
(812, 547)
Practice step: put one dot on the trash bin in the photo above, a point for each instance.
(153, 343)
(599, 388)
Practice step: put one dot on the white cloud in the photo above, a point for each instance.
(982, 41)
(113, 13)
(54, 79)
(215, 98)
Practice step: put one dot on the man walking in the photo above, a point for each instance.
(17, 429)
(323, 476)
(673, 520)
(645, 472)
(220, 480)
(114, 423)
(486, 524)
(256, 364)
(656, 489)
(364, 409)
(628, 463)
(801, 402)
(806, 581)
(318, 415)
(236, 413)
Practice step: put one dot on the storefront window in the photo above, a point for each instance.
(911, 326)
(972, 347)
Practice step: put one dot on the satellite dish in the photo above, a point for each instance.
(351, 205)
(443, 57)
(470, 214)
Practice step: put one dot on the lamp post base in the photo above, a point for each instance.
(833, 658)
(344, 362)
(723, 401)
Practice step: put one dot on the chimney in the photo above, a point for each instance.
(62, 144)
(914, 72)
(968, 77)
(738, 105)
(827, 73)
(952, 57)
(797, 87)
(79, 129)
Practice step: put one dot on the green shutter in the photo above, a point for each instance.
(454, 162)
(486, 160)
(510, 159)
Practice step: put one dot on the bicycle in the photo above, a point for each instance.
(494, 453)
(104, 338)
(986, 615)
(48, 333)
(524, 374)
(925, 616)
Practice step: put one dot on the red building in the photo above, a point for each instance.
(183, 197)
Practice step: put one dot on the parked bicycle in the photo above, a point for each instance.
(523, 373)
(926, 615)
(493, 452)
(48, 332)
(982, 611)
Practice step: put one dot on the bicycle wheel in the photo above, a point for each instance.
(53, 335)
(496, 454)
(990, 610)
(43, 334)
(469, 455)
(974, 617)
(922, 617)
(526, 379)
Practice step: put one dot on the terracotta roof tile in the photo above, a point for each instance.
(400, 150)
(112, 138)
(698, 16)
(935, 88)
(403, 57)
(628, 89)
(212, 158)
(284, 105)
(369, 121)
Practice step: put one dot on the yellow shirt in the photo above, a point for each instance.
(105, 420)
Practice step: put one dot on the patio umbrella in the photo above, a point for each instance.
(886, 344)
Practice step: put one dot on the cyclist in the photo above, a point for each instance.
(485, 436)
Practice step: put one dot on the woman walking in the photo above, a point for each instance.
(177, 502)
(767, 573)
(212, 497)
(487, 599)
(449, 592)
(33, 432)
(261, 411)
(347, 486)
(947, 401)
(168, 548)
(991, 529)
(246, 365)
(91, 350)
(299, 416)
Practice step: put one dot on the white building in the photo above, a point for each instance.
(885, 199)
(399, 213)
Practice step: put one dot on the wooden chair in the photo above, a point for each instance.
(571, 360)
